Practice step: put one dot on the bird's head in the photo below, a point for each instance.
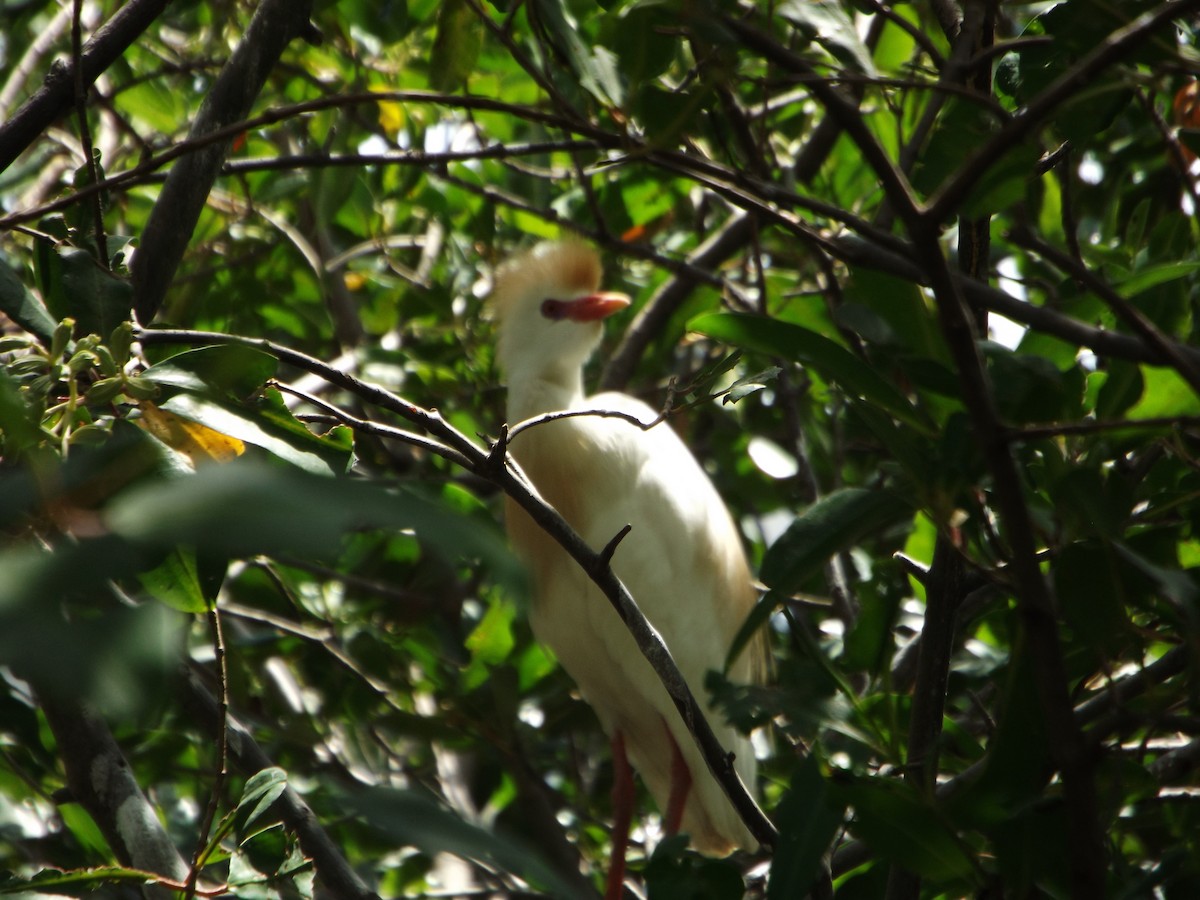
(550, 311)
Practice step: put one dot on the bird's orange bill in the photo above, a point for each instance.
(596, 306)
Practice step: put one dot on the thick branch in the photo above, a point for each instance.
(179, 204)
(102, 781)
(1034, 602)
(53, 99)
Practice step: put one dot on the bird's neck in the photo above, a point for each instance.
(550, 390)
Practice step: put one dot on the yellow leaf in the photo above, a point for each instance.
(391, 117)
(197, 442)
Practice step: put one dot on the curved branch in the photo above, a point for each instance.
(1137, 321)
(102, 781)
(514, 483)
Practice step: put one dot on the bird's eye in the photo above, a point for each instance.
(554, 309)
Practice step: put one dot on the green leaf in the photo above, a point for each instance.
(641, 39)
(808, 818)
(456, 46)
(897, 824)
(230, 368)
(1178, 587)
(833, 361)
(489, 643)
(116, 657)
(262, 789)
(595, 67)
(1089, 591)
(153, 104)
(674, 872)
(95, 298)
(176, 582)
(1121, 388)
(1166, 393)
(827, 23)
(491, 640)
(834, 523)
(750, 384)
(1151, 276)
(19, 304)
(19, 425)
(245, 507)
(416, 820)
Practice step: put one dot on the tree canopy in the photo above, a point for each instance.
(916, 282)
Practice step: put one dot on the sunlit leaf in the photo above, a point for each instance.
(834, 523)
(265, 423)
(197, 442)
(233, 368)
(828, 24)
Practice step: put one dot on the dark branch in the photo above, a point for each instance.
(54, 98)
(513, 482)
(169, 229)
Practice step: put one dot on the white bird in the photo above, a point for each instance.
(682, 562)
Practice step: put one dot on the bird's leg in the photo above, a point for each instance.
(681, 783)
(622, 801)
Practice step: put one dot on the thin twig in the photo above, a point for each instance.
(222, 773)
(1126, 311)
(85, 133)
(1059, 429)
(544, 418)
(334, 872)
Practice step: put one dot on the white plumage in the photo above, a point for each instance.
(683, 561)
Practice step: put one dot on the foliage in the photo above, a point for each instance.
(919, 281)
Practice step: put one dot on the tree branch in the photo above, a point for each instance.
(102, 781)
(855, 251)
(333, 870)
(731, 237)
(1035, 605)
(178, 207)
(852, 855)
(54, 98)
(1124, 310)
(950, 196)
(513, 482)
